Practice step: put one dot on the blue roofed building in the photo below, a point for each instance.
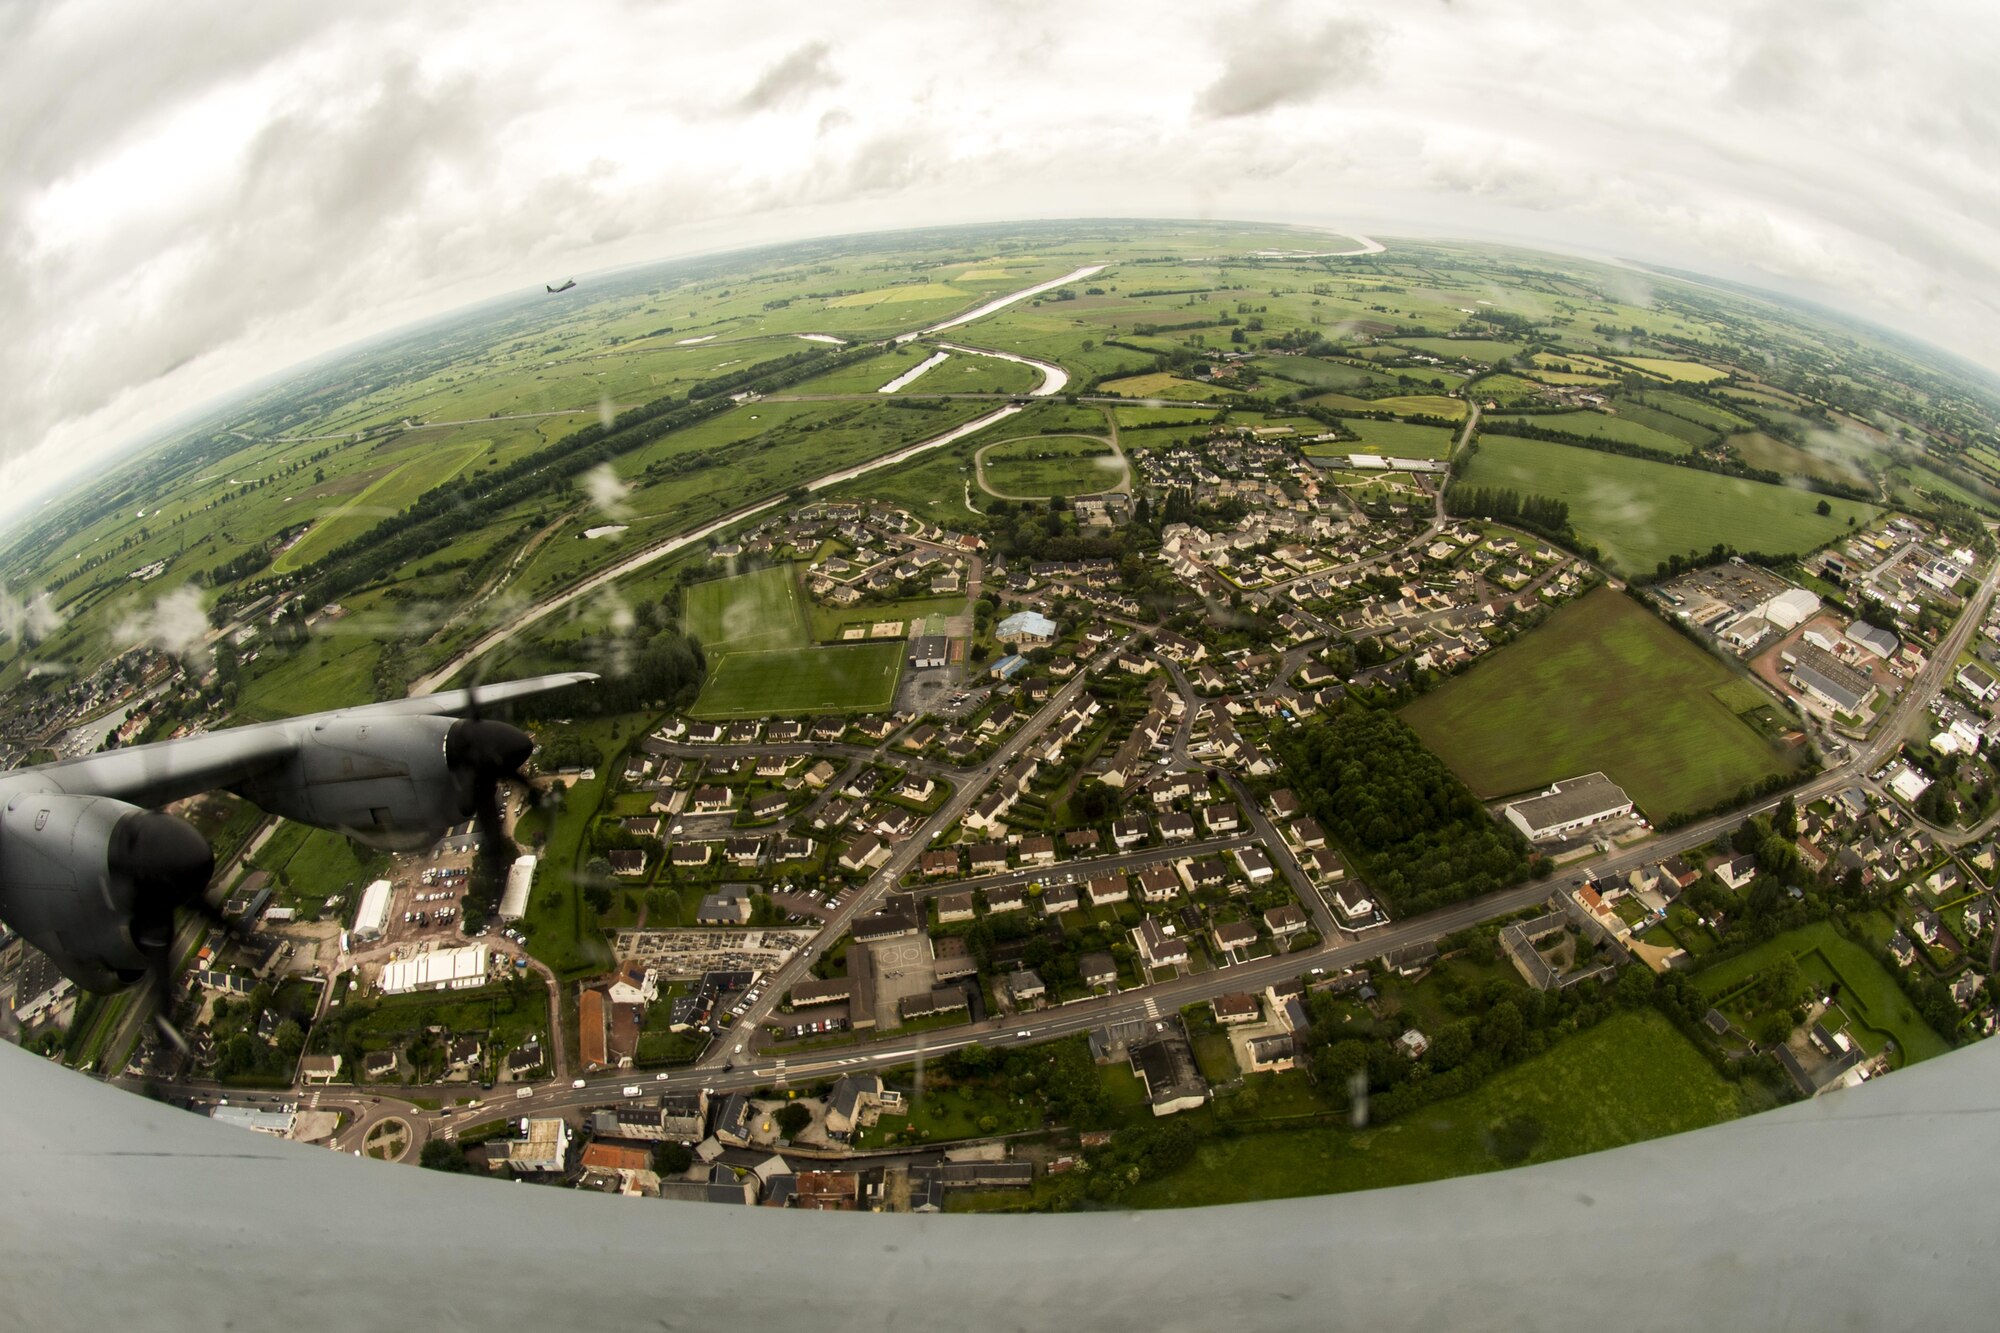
(1007, 666)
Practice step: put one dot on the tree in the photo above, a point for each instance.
(672, 1159)
(793, 1117)
(1823, 509)
(442, 1155)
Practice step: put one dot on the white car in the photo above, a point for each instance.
(659, 1078)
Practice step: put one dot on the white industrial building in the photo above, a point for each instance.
(278, 1123)
(441, 969)
(1790, 608)
(1569, 805)
(374, 913)
(520, 879)
(543, 1145)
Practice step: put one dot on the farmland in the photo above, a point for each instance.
(747, 612)
(1598, 426)
(1402, 439)
(1603, 685)
(1639, 512)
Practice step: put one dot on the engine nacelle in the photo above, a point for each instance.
(385, 782)
(90, 881)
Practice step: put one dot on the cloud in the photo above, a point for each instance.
(29, 620)
(1271, 65)
(608, 493)
(176, 623)
(193, 198)
(800, 73)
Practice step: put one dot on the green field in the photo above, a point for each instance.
(1630, 1078)
(1875, 1005)
(835, 678)
(1689, 372)
(1487, 351)
(1639, 512)
(1602, 685)
(1160, 385)
(1043, 465)
(1598, 426)
(1398, 438)
(747, 612)
(388, 494)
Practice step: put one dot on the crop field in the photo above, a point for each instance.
(1687, 372)
(1046, 465)
(747, 612)
(1875, 1005)
(837, 678)
(1767, 451)
(1639, 512)
(1162, 385)
(1482, 351)
(1602, 685)
(1598, 426)
(1630, 1078)
(394, 491)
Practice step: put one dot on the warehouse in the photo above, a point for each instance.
(374, 913)
(443, 969)
(1790, 608)
(1569, 805)
(520, 879)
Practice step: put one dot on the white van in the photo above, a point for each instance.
(525, 1092)
(631, 1089)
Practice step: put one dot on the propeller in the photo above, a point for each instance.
(168, 864)
(486, 753)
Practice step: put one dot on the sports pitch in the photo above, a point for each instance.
(835, 678)
(761, 659)
(1602, 685)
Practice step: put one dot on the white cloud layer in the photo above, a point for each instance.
(198, 194)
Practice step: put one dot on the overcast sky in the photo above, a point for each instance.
(195, 195)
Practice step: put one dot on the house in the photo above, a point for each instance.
(1107, 889)
(710, 800)
(687, 855)
(1737, 872)
(1679, 874)
(1976, 681)
(1207, 873)
(1097, 969)
(1037, 851)
(887, 924)
(1413, 1043)
(1220, 818)
(1165, 1063)
(987, 858)
(320, 1068)
(1006, 898)
(955, 907)
(1159, 883)
(635, 985)
(543, 1145)
(1308, 833)
(1176, 826)
(1285, 922)
(1129, 832)
(625, 861)
(1026, 987)
(866, 852)
(1927, 927)
(1285, 804)
(731, 907)
(854, 1102)
(1234, 937)
(933, 865)
(1157, 946)
(1256, 866)
(1061, 898)
(745, 852)
(1236, 1007)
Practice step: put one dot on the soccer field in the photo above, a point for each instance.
(836, 678)
(1602, 685)
(747, 612)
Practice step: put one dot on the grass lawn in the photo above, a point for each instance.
(1601, 685)
(837, 678)
(747, 612)
(1485, 350)
(1872, 1000)
(1041, 466)
(940, 1114)
(1631, 1077)
(1639, 512)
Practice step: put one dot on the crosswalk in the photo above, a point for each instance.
(1152, 1007)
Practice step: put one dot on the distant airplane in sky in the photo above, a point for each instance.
(567, 284)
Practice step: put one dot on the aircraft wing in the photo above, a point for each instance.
(166, 771)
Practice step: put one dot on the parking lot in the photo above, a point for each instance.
(680, 954)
